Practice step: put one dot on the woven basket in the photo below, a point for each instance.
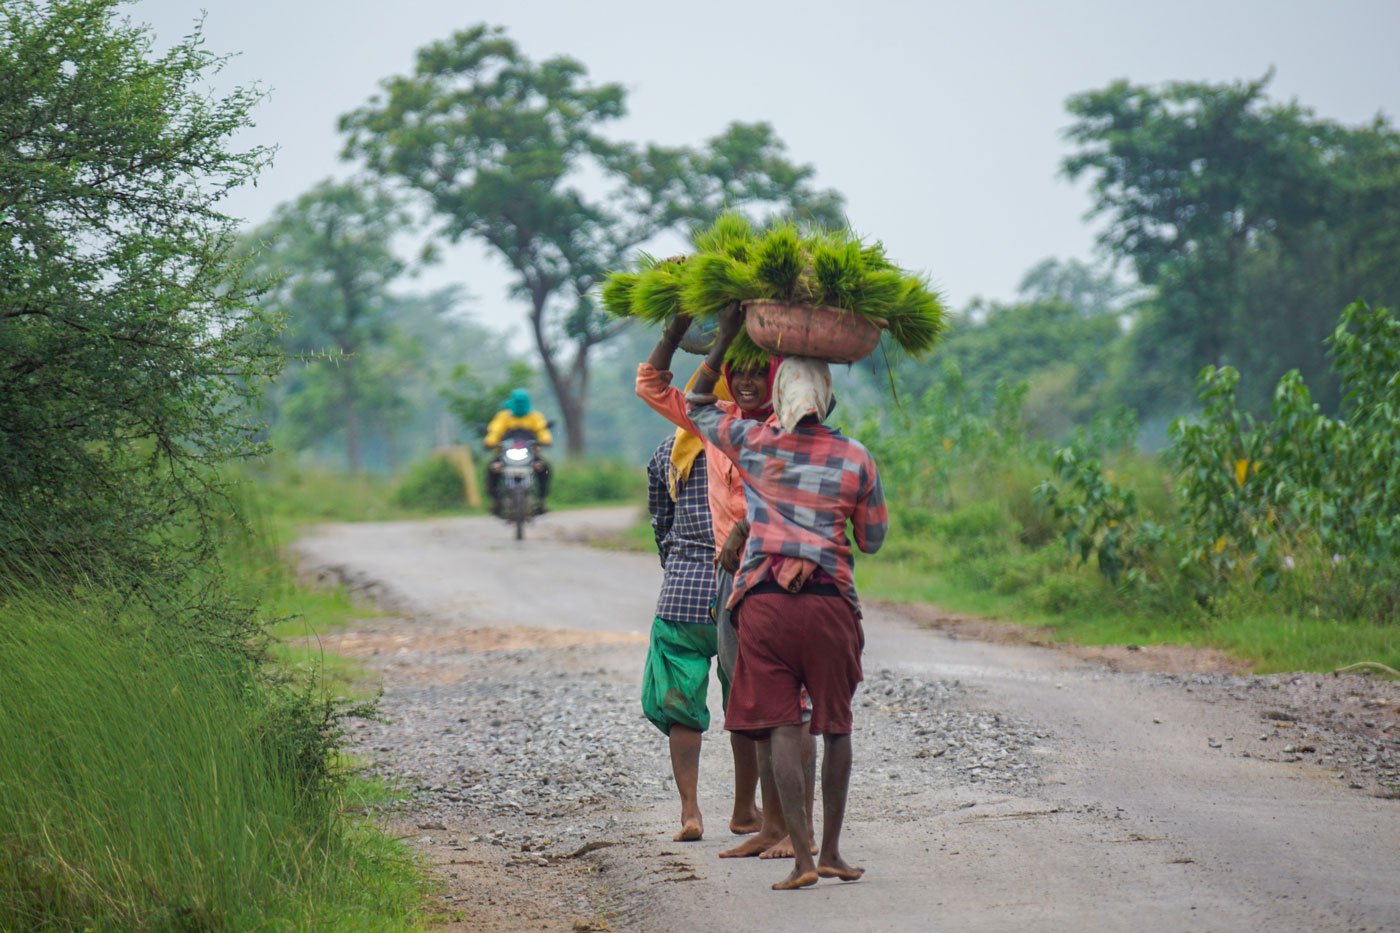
(823, 333)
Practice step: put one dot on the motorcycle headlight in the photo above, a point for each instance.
(517, 454)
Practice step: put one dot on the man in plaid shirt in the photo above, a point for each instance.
(676, 678)
(795, 601)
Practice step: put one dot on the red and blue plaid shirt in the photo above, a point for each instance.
(802, 489)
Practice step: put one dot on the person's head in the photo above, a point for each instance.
(518, 402)
(751, 386)
(802, 389)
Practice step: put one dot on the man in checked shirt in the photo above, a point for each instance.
(676, 677)
(795, 601)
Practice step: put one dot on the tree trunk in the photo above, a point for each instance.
(569, 388)
(352, 423)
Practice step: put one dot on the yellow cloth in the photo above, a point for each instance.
(688, 445)
(505, 422)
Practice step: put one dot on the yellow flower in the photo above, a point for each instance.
(947, 443)
(1242, 470)
(1219, 546)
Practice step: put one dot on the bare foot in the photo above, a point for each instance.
(796, 880)
(783, 849)
(691, 831)
(837, 868)
(743, 825)
(756, 845)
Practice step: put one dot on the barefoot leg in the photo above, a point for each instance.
(789, 777)
(685, 765)
(797, 879)
(773, 829)
(836, 781)
(746, 817)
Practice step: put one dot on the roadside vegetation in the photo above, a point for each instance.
(1274, 539)
(159, 768)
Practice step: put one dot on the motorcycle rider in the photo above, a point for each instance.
(518, 418)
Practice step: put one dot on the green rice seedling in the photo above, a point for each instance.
(730, 235)
(839, 272)
(875, 258)
(879, 294)
(656, 297)
(818, 267)
(918, 319)
(745, 354)
(779, 262)
(715, 281)
(617, 293)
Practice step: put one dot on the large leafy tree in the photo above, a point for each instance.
(330, 254)
(511, 152)
(125, 359)
(1253, 221)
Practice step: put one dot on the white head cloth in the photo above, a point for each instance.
(801, 388)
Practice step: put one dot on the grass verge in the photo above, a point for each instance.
(149, 780)
(1080, 607)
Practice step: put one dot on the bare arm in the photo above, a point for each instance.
(730, 320)
(665, 348)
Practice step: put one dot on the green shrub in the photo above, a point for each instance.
(1302, 495)
(431, 485)
(590, 482)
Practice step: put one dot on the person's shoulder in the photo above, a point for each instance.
(855, 449)
(663, 450)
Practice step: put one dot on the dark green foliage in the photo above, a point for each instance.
(475, 403)
(497, 142)
(331, 258)
(127, 363)
(1251, 220)
(1065, 352)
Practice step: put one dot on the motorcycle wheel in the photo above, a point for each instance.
(518, 505)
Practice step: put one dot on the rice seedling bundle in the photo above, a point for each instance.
(733, 262)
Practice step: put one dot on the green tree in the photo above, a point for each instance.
(126, 362)
(330, 254)
(1252, 221)
(1088, 291)
(500, 145)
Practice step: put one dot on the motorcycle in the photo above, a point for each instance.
(518, 488)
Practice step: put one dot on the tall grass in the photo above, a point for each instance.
(148, 780)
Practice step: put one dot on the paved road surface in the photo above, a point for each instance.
(1134, 822)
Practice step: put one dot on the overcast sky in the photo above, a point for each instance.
(940, 122)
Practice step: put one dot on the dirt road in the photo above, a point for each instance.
(995, 786)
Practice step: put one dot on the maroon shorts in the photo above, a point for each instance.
(811, 639)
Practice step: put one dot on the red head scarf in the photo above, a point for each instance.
(765, 411)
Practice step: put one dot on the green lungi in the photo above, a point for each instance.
(676, 678)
